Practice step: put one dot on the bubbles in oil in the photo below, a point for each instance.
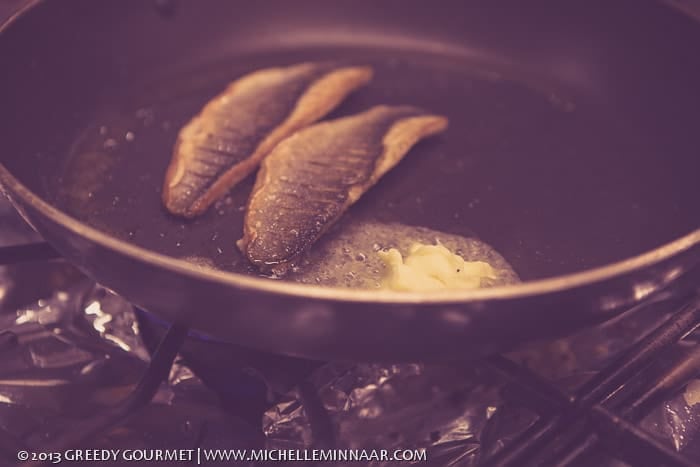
(347, 256)
(146, 115)
(110, 143)
(223, 202)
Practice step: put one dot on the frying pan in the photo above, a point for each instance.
(572, 150)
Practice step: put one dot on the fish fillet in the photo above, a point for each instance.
(227, 140)
(312, 177)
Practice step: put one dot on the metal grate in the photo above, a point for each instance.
(600, 419)
(604, 410)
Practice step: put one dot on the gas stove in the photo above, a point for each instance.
(84, 372)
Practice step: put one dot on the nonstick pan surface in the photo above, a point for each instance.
(572, 141)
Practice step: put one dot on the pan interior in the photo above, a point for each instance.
(515, 157)
(559, 165)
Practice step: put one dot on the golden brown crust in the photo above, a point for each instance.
(322, 92)
(311, 178)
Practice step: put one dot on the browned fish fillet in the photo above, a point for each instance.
(238, 128)
(312, 177)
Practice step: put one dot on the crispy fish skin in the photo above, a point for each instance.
(312, 177)
(227, 140)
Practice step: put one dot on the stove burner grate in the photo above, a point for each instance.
(599, 422)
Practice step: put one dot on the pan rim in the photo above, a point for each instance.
(545, 286)
(295, 290)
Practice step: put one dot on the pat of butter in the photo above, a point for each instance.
(692, 393)
(432, 267)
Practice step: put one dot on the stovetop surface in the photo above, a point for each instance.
(75, 358)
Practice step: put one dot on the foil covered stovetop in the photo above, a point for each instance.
(71, 348)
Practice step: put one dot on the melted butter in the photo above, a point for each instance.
(432, 267)
(692, 393)
(349, 256)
